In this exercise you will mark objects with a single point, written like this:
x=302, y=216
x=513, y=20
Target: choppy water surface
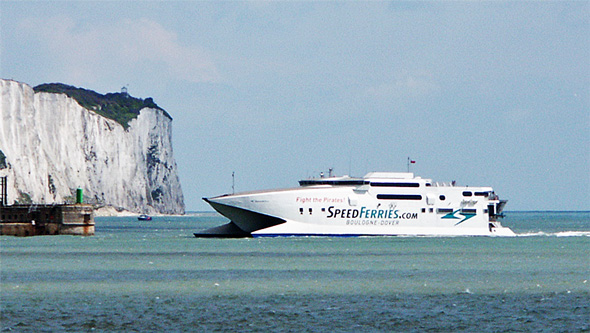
x=153, y=276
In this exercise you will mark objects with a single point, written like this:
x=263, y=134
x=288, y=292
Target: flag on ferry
x=412, y=161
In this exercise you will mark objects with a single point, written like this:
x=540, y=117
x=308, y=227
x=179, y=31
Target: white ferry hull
x=380, y=204
x=292, y=228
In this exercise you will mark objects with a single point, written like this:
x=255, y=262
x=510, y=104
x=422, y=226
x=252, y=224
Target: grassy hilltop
x=120, y=107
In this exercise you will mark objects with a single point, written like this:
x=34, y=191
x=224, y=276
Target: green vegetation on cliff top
x=120, y=107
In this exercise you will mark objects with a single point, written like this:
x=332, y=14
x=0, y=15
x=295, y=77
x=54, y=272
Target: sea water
x=155, y=276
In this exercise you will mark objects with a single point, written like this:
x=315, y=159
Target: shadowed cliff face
x=2, y=160
x=52, y=145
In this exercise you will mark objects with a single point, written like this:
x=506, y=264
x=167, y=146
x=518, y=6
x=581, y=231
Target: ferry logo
x=366, y=213
x=466, y=216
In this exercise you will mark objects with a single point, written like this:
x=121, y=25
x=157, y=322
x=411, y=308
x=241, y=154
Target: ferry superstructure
x=378, y=204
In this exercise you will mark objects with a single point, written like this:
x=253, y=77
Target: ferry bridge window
x=442, y=197
x=399, y=196
x=395, y=184
x=353, y=182
x=467, y=193
x=444, y=210
x=481, y=194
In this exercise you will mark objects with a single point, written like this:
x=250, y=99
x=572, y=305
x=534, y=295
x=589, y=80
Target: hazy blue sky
x=484, y=93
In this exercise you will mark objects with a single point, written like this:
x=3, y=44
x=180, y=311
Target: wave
x=556, y=234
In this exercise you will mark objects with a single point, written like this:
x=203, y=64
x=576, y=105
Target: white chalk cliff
x=52, y=146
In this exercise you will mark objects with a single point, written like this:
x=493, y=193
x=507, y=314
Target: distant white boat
x=144, y=217
x=378, y=204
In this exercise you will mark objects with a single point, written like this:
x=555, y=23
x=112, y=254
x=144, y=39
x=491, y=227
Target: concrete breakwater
x=35, y=220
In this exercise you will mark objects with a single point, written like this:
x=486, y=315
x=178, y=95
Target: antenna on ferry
x=330, y=170
x=233, y=182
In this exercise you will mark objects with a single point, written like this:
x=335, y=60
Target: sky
x=484, y=93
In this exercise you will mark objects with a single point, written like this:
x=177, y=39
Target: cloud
x=128, y=46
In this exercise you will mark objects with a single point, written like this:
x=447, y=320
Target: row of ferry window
x=450, y=210
x=477, y=194
x=358, y=183
x=419, y=197
x=301, y=211
x=405, y=197
x=381, y=184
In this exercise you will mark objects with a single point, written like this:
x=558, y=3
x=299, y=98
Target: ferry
x=378, y=204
